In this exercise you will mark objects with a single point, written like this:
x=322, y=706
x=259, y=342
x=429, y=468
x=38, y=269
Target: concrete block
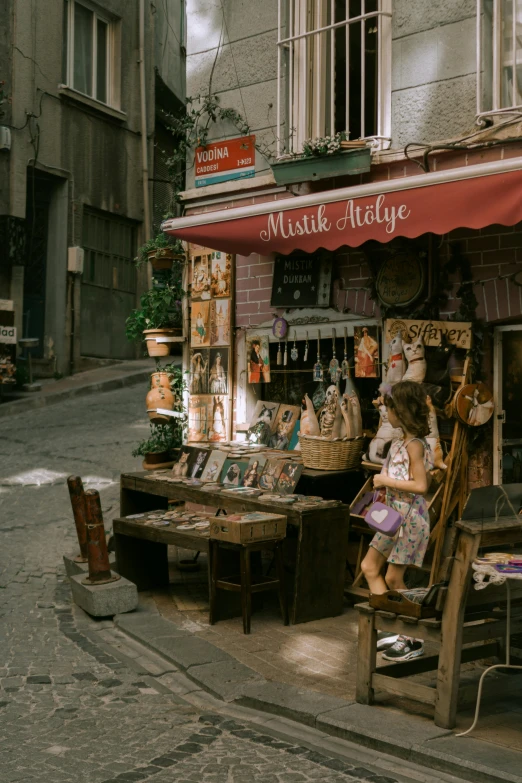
x=380, y=728
x=104, y=600
x=72, y=568
x=286, y=700
x=226, y=679
x=187, y=651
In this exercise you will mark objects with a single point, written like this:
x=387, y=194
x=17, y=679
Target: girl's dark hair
x=408, y=400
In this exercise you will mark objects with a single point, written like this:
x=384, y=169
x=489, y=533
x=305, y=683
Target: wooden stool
x=243, y=583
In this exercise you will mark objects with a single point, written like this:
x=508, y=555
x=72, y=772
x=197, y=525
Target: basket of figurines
x=323, y=454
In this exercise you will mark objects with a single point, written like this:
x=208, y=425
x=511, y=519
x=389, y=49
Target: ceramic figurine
x=347, y=412
x=350, y=394
x=380, y=444
x=433, y=439
x=328, y=415
x=309, y=420
x=396, y=365
x=414, y=353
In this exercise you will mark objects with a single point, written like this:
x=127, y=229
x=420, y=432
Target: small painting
x=200, y=326
x=221, y=274
x=254, y=471
x=270, y=475
x=289, y=477
x=366, y=342
x=233, y=472
x=198, y=418
x=263, y=422
x=199, y=368
x=201, y=276
x=218, y=418
x=220, y=322
x=198, y=462
x=181, y=467
x=475, y=404
x=213, y=466
x=285, y=422
x=258, y=358
x=218, y=371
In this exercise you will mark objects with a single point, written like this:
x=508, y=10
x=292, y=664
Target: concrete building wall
x=233, y=53
x=433, y=66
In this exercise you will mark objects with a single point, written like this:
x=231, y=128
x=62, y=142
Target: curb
x=404, y=737
x=53, y=398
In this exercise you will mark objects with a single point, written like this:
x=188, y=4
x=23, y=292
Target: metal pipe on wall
x=144, y=139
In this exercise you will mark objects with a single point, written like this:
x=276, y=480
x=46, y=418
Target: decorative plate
x=280, y=328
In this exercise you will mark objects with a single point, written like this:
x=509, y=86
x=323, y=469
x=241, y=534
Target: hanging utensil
x=345, y=367
x=334, y=362
x=279, y=354
x=305, y=357
x=318, y=367
x=285, y=361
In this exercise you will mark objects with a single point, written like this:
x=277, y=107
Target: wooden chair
x=243, y=583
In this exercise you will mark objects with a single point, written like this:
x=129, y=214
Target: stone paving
x=70, y=709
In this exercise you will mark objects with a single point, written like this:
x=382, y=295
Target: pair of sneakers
x=399, y=648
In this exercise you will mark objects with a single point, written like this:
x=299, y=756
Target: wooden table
x=317, y=537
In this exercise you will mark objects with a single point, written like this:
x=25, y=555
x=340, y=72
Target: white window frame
x=112, y=45
x=497, y=64
x=303, y=72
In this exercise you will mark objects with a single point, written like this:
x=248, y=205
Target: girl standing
x=405, y=478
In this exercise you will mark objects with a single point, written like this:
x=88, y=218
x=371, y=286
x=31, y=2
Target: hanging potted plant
x=161, y=251
x=328, y=156
x=166, y=437
x=158, y=320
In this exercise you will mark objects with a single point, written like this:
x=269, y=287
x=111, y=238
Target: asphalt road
x=81, y=703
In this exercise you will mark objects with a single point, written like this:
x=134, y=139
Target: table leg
x=143, y=562
x=366, y=656
x=448, y=673
x=283, y=603
x=213, y=576
x=246, y=588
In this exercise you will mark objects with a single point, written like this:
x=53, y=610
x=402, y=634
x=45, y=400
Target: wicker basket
x=331, y=454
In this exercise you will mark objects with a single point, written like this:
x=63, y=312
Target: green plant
x=163, y=437
x=160, y=308
x=324, y=145
x=177, y=384
x=156, y=245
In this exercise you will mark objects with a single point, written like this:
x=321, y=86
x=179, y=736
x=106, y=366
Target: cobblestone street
x=77, y=702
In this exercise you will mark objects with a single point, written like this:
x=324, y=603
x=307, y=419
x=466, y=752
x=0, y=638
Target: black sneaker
x=404, y=649
x=385, y=640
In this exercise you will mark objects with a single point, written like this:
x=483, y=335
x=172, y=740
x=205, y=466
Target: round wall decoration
x=474, y=404
x=280, y=328
x=401, y=279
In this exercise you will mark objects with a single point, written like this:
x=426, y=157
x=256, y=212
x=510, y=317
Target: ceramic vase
x=160, y=396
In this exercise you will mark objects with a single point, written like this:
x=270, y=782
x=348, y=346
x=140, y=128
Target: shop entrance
x=507, y=433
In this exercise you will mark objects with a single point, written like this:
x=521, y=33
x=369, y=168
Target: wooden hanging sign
x=456, y=332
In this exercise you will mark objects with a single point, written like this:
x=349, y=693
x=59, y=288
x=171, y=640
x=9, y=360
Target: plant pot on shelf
x=160, y=396
x=307, y=169
x=163, y=258
x=159, y=340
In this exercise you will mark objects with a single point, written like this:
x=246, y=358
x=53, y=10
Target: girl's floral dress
x=409, y=544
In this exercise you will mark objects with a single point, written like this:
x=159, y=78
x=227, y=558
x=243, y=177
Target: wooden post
x=366, y=655
x=77, y=495
x=99, y=568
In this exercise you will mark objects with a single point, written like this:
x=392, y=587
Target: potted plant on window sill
x=158, y=320
x=329, y=156
x=161, y=251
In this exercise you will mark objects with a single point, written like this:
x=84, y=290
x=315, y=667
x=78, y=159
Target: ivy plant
x=156, y=245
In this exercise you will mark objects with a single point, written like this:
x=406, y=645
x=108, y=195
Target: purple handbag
x=383, y=519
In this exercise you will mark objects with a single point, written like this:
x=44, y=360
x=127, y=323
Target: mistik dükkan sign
x=329, y=222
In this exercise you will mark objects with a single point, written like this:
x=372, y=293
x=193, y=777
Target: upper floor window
x=88, y=51
x=336, y=55
x=499, y=78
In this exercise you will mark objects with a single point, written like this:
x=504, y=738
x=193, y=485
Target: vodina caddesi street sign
x=224, y=160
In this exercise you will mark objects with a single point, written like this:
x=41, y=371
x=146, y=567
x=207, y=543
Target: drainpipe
x=144, y=140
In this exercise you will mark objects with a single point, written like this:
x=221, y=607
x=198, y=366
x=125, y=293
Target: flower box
x=306, y=169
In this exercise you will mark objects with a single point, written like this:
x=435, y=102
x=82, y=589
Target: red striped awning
x=471, y=197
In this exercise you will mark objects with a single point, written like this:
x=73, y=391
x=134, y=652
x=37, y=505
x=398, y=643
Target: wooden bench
x=468, y=617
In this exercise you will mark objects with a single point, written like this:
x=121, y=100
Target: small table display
x=316, y=543
x=496, y=569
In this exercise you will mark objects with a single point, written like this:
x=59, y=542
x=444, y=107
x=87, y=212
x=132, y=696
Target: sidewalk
x=306, y=673
x=115, y=376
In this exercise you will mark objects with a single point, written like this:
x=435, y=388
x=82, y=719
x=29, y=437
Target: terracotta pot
x=160, y=396
x=159, y=349
x=163, y=258
x=155, y=457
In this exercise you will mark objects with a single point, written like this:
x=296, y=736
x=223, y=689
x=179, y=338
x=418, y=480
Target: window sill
x=79, y=97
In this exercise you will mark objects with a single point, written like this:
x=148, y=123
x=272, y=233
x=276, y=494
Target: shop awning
x=471, y=197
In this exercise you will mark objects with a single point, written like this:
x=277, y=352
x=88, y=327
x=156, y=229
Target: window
x=336, y=56
x=88, y=37
x=499, y=35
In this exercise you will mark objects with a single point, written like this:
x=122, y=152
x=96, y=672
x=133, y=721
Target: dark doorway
x=39, y=191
